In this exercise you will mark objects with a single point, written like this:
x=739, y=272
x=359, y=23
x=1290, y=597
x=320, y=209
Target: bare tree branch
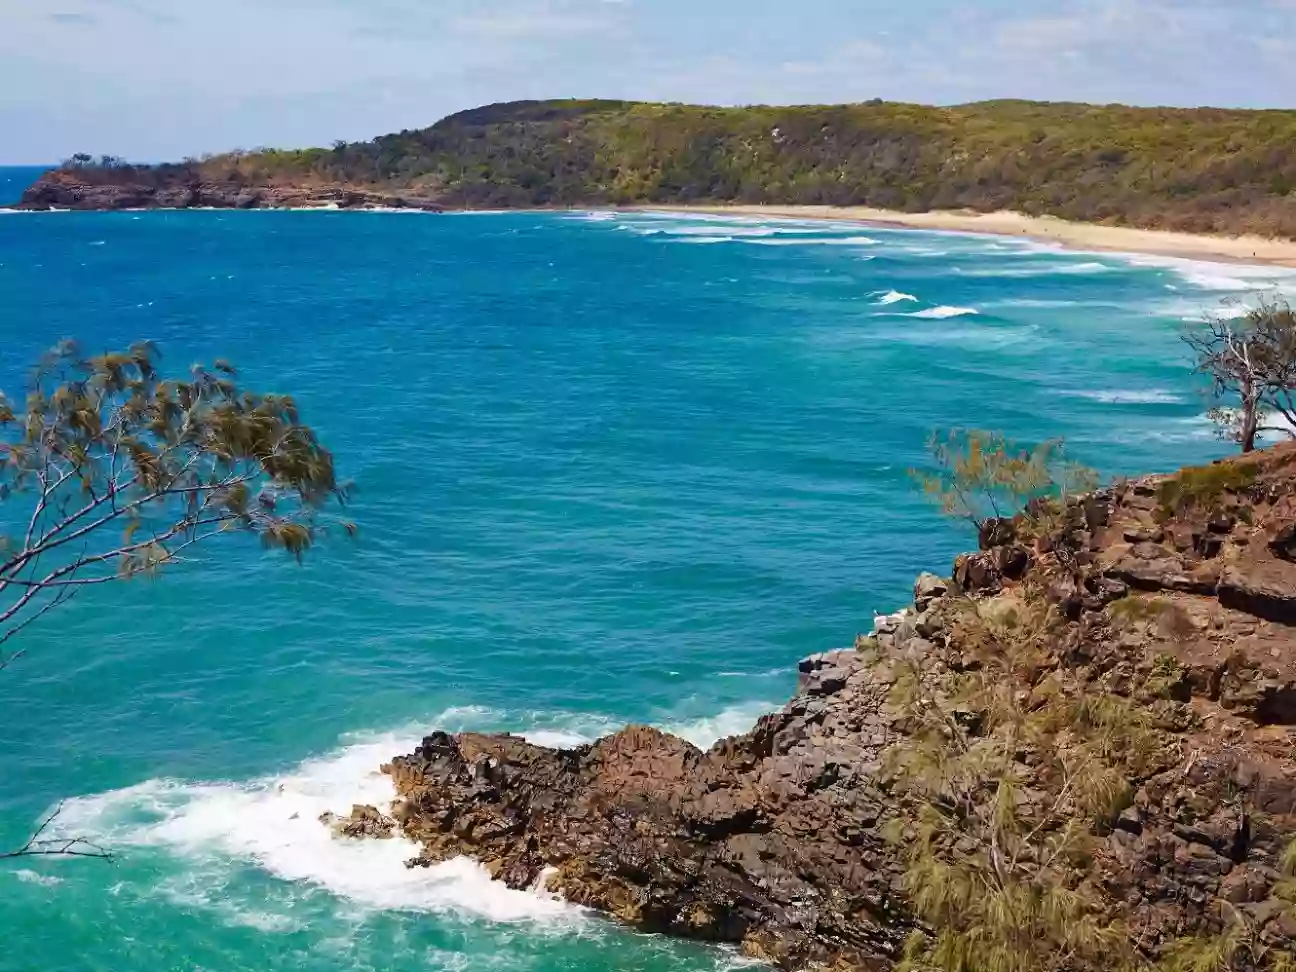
x=40, y=846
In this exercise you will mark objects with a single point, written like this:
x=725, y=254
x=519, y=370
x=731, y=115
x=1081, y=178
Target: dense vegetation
x=1192, y=169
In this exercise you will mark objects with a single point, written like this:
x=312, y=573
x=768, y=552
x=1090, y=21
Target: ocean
x=611, y=468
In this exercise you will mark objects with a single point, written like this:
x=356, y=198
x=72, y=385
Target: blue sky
x=159, y=79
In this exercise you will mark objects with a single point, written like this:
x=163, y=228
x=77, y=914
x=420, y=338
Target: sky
x=162, y=79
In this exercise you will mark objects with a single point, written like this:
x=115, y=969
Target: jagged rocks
x=927, y=588
x=977, y=573
x=826, y=674
x=63, y=189
x=363, y=822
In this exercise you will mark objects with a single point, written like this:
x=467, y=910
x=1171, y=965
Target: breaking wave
x=272, y=823
x=891, y=297
x=943, y=312
x=1119, y=396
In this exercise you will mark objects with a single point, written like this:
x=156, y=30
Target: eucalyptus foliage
x=110, y=471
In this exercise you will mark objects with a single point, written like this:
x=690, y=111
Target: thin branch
x=39, y=846
x=85, y=561
x=170, y=490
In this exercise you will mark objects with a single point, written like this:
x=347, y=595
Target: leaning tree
x=1251, y=362
x=109, y=471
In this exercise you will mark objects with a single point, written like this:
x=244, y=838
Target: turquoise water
x=610, y=469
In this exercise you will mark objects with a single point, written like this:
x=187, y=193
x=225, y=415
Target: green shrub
x=1203, y=488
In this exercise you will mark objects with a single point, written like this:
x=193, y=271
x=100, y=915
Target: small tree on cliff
x=983, y=478
x=1011, y=770
x=120, y=473
x=1251, y=363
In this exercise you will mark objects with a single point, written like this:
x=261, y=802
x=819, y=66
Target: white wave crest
x=943, y=312
x=827, y=241
x=32, y=877
x=273, y=823
x=738, y=232
x=1205, y=275
x=891, y=297
x=706, y=731
x=1122, y=396
x=1038, y=270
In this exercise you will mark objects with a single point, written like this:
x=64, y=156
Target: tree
x=121, y=473
x=983, y=478
x=1251, y=362
x=1011, y=769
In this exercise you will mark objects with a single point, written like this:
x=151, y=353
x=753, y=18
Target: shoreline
x=1253, y=250
x=1074, y=236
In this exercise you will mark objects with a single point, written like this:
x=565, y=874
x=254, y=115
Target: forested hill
x=1192, y=169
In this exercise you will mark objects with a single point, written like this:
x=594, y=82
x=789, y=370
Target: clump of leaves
x=982, y=476
x=1166, y=677
x=1013, y=769
x=126, y=472
x=1203, y=488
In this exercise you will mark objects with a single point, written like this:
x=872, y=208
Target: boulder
x=363, y=822
x=927, y=588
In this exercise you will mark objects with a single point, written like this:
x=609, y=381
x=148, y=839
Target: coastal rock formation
x=364, y=821
x=1179, y=595
x=73, y=189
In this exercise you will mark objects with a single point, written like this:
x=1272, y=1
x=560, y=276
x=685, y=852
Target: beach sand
x=1077, y=236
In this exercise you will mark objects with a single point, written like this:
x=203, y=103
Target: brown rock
x=364, y=822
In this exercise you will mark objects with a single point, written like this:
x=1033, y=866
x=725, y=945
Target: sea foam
x=1205, y=275
x=891, y=297
x=1124, y=396
x=943, y=312
x=827, y=241
x=272, y=823
x=1037, y=270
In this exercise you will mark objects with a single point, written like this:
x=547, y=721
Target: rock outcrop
x=69, y=189
x=1179, y=594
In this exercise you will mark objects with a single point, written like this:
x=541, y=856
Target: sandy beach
x=1078, y=236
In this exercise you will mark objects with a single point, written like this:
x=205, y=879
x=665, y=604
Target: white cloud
x=155, y=79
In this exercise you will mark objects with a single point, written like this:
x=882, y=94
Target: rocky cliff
x=184, y=189
x=1176, y=595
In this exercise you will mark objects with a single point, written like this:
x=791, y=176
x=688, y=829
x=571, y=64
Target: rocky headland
x=1176, y=595
x=100, y=190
